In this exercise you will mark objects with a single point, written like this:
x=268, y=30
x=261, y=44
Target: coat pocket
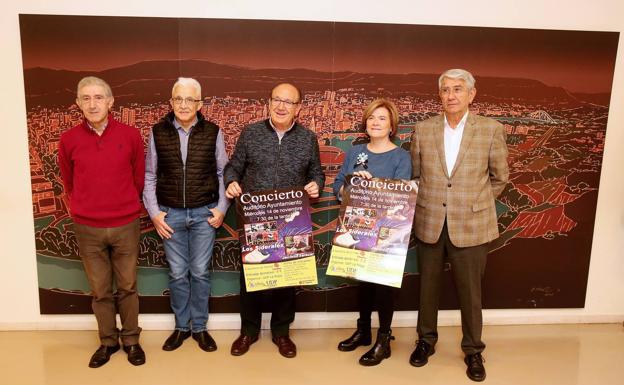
x=482, y=205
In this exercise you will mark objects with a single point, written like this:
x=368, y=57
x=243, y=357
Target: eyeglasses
x=178, y=100
x=287, y=103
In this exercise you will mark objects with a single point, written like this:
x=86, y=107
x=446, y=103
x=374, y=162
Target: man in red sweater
x=102, y=166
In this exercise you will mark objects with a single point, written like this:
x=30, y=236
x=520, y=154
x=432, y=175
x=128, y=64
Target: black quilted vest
x=196, y=184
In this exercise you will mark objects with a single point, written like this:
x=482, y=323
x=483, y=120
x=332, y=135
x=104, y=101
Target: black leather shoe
x=421, y=354
x=205, y=341
x=176, y=339
x=241, y=345
x=475, y=370
x=102, y=355
x=286, y=346
x=361, y=337
x=136, y=355
x=379, y=351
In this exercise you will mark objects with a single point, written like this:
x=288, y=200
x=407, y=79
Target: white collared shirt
x=452, y=141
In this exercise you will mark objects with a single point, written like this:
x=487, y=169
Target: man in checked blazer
x=460, y=161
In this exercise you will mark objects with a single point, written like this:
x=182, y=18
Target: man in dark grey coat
x=272, y=154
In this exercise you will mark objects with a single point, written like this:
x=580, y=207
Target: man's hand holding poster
x=277, y=246
x=373, y=231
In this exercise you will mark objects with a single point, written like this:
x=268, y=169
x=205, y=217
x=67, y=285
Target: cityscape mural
x=549, y=88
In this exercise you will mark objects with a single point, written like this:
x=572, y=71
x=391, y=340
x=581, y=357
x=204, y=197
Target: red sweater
x=103, y=175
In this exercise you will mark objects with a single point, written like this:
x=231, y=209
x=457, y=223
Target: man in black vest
x=185, y=198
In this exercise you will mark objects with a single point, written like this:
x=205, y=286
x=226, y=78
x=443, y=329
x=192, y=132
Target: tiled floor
x=532, y=354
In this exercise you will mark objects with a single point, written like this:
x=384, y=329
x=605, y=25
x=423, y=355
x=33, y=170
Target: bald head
x=286, y=87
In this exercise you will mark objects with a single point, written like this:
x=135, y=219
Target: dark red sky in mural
x=578, y=61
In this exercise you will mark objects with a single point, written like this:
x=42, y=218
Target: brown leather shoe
x=286, y=347
x=241, y=345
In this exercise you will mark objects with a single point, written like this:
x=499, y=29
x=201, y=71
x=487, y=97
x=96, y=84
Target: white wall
x=18, y=283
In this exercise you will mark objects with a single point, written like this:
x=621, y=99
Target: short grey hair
x=457, y=73
x=93, y=81
x=187, y=82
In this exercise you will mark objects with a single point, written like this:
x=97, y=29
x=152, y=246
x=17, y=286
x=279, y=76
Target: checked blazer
x=466, y=197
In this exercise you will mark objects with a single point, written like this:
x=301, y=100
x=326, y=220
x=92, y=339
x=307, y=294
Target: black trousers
x=468, y=267
x=282, y=303
x=371, y=294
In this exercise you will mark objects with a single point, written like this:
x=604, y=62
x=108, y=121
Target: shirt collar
x=461, y=123
x=289, y=128
x=177, y=124
x=93, y=128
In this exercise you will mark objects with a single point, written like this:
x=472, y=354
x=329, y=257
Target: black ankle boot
x=361, y=337
x=379, y=351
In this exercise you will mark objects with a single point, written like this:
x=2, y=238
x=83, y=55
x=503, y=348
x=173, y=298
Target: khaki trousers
x=110, y=255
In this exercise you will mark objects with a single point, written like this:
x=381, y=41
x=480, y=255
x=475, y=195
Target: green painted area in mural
x=57, y=273
x=69, y=275
x=43, y=222
x=328, y=211
x=501, y=208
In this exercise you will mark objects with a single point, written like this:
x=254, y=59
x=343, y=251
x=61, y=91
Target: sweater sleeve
x=235, y=168
x=66, y=167
x=404, y=166
x=315, y=171
x=138, y=164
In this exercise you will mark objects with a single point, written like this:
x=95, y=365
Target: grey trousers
x=468, y=267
